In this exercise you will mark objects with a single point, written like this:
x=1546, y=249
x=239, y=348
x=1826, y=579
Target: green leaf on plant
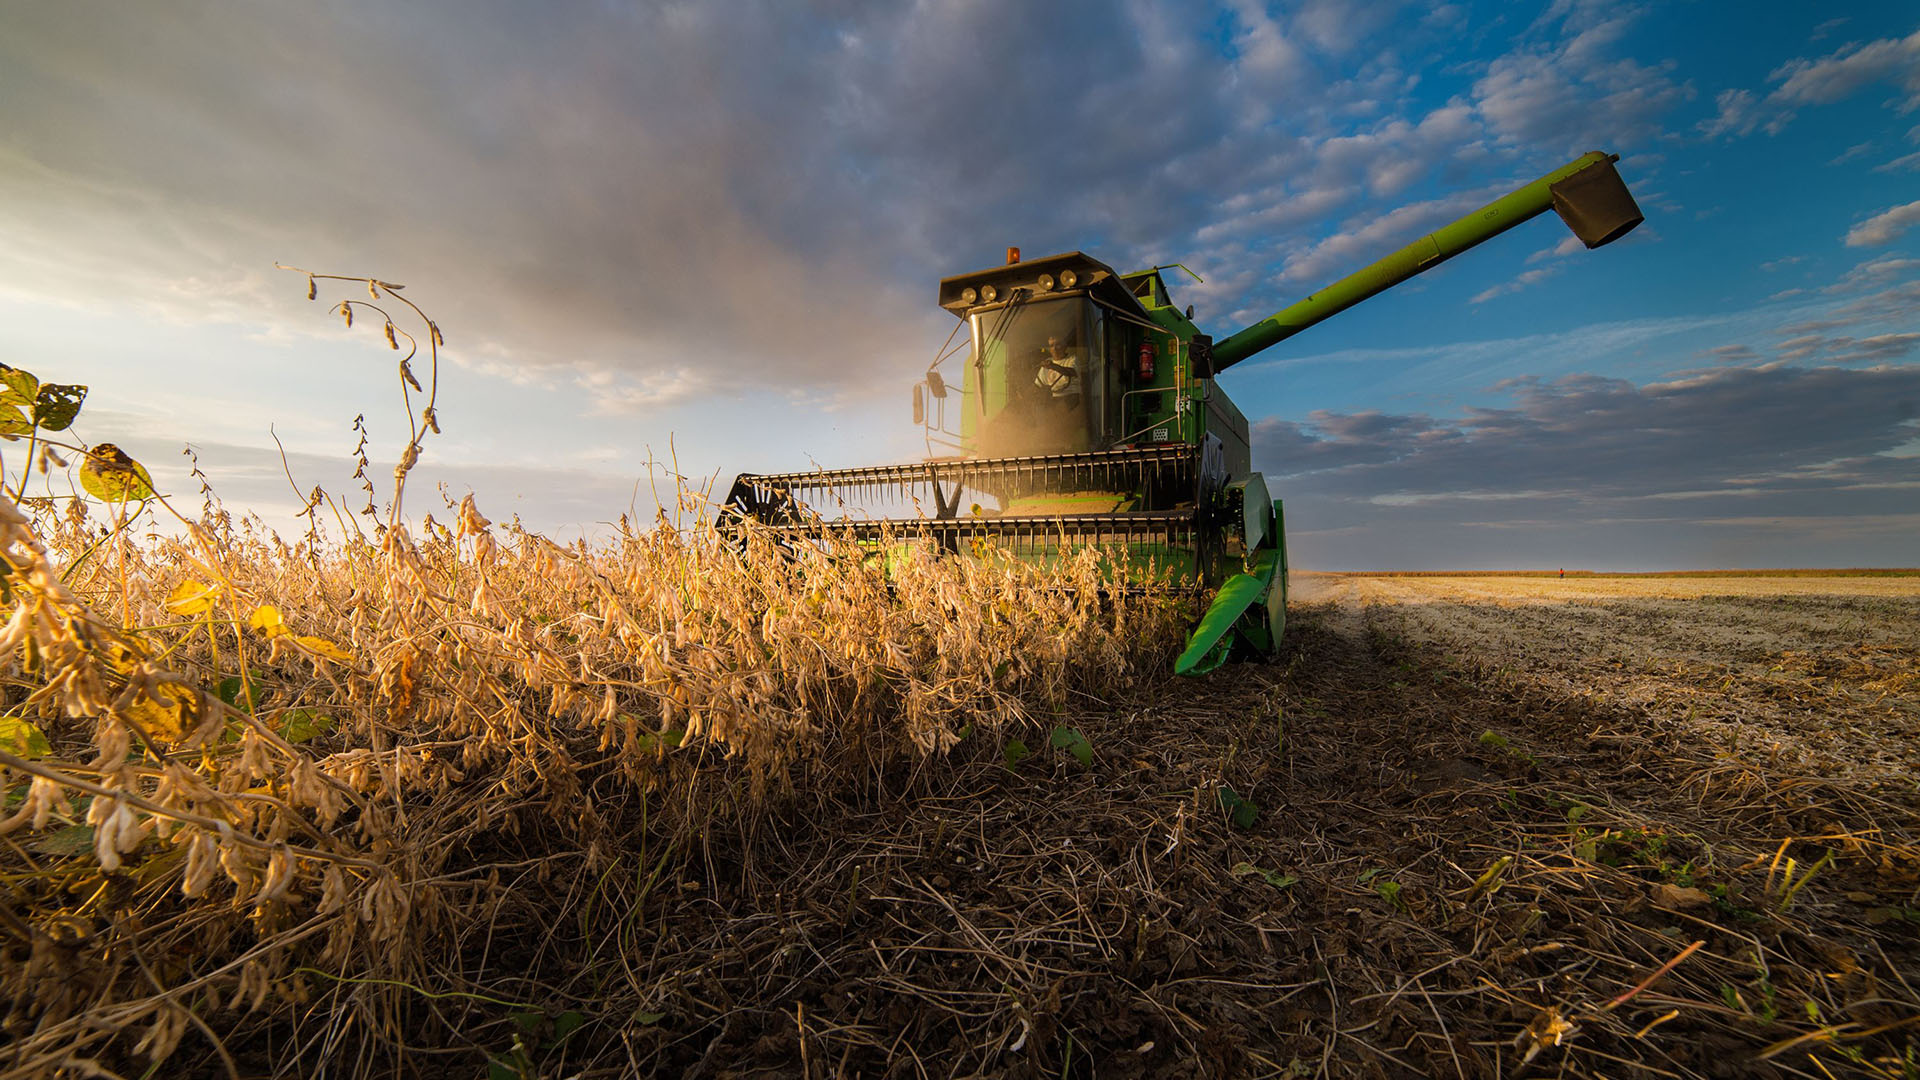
x=304, y=725
x=1244, y=812
x=110, y=475
x=646, y=1018
x=236, y=692
x=72, y=840
x=13, y=422
x=567, y=1023
x=55, y=406
x=17, y=387
x=1016, y=752
x=528, y=1022
x=1273, y=877
x=22, y=739
x=660, y=742
x=1065, y=738
x=501, y=1070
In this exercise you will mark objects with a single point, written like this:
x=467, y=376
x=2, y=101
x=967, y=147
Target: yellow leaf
x=192, y=598
x=266, y=619
x=325, y=648
x=166, y=724
x=22, y=739
x=109, y=475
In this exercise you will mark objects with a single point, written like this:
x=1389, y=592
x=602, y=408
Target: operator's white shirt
x=1052, y=378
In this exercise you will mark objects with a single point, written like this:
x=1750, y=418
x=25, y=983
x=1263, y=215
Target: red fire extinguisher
x=1146, y=361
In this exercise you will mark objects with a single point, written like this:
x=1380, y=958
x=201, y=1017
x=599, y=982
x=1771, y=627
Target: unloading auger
x=1087, y=412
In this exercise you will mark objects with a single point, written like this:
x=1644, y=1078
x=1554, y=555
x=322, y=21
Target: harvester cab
x=1084, y=409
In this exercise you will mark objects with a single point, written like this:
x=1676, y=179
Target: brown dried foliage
x=504, y=702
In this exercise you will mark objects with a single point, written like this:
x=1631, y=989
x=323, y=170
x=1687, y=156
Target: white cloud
x=1737, y=115
x=1273, y=210
x=1849, y=69
x=1571, y=94
x=1884, y=227
x=614, y=393
x=1348, y=248
x=1855, y=151
x=1825, y=81
x=1521, y=281
x=1567, y=246
x=1872, y=274
x=1268, y=59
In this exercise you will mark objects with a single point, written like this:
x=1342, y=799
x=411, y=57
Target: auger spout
x=1587, y=193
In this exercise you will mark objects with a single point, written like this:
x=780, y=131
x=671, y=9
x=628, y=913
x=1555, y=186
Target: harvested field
x=1477, y=840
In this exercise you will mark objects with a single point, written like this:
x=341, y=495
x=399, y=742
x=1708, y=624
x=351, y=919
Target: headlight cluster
x=987, y=294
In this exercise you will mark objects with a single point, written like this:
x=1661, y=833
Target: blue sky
x=711, y=231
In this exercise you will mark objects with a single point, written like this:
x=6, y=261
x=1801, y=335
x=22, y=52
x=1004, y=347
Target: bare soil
x=1479, y=819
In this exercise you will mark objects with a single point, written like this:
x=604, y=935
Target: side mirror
x=1200, y=350
x=937, y=384
x=919, y=404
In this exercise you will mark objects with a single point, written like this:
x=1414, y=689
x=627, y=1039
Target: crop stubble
x=1638, y=754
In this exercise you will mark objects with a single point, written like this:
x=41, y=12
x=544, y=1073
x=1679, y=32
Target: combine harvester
x=1088, y=414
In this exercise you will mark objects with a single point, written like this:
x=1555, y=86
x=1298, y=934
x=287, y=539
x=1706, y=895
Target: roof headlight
x=969, y=295
x=988, y=294
x=1046, y=282
x=1068, y=279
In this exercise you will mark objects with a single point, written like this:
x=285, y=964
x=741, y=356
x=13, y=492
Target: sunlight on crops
x=236, y=765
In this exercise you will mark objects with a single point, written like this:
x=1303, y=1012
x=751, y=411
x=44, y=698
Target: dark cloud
x=1892, y=306
x=1875, y=349
x=1728, y=444
x=1586, y=433
x=1888, y=306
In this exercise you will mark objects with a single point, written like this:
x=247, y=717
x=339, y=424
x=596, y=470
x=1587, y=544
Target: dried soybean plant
x=254, y=786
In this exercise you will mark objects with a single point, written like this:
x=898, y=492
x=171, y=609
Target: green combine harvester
x=1087, y=412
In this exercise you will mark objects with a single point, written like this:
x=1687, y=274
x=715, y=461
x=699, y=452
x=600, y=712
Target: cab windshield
x=1032, y=377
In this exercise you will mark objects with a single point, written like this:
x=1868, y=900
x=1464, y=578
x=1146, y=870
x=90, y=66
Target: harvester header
x=1085, y=412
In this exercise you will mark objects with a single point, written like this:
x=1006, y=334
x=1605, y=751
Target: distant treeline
x=1851, y=571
